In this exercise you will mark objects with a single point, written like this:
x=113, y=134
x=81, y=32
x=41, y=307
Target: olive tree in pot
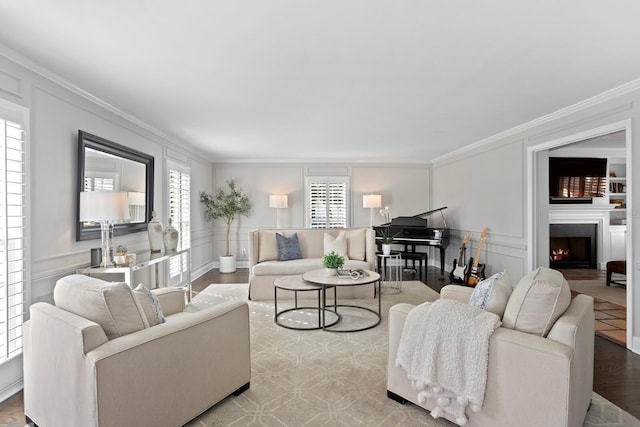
x=227, y=204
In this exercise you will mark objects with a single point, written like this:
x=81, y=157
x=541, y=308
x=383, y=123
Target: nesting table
x=328, y=314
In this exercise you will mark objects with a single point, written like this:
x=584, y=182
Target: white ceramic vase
x=386, y=249
x=170, y=236
x=331, y=271
x=155, y=234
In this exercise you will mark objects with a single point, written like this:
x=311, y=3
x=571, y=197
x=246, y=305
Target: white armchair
x=531, y=379
x=164, y=375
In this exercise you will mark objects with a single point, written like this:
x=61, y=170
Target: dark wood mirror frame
x=87, y=140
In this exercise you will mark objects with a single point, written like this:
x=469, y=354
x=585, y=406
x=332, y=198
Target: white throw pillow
x=267, y=246
x=150, y=305
x=356, y=244
x=336, y=244
x=492, y=294
x=111, y=305
x=537, y=301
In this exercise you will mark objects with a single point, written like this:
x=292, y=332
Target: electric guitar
x=476, y=273
x=457, y=274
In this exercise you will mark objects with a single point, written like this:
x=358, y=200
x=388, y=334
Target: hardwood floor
x=616, y=369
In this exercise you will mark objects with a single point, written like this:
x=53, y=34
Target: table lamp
x=371, y=201
x=278, y=201
x=105, y=208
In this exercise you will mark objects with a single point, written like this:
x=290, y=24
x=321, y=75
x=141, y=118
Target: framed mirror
x=104, y=165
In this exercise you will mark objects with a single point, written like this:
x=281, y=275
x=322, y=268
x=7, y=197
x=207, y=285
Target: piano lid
x=419, y=220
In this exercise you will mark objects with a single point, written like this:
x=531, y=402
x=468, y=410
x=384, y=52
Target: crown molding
x=608, y=95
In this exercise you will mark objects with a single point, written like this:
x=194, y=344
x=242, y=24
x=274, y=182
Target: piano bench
x=421, y=257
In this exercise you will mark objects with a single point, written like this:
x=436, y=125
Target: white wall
x=56, y=114
x=487, y=183
x=404, y=188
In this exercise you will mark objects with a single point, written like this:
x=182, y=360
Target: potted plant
x=332, y=262
x=387, y=238
x=226, y=204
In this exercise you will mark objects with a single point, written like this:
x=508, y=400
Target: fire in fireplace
x=573, y=245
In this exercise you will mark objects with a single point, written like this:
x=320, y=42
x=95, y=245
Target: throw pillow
x=288, y=247
x=111, y=305
x=492, y=294
x=356, y=244
x=336, y=244
x=537, y=301
x=150, y=305
x=267, y=246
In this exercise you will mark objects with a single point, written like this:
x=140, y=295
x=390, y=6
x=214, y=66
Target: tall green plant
x=226, y=204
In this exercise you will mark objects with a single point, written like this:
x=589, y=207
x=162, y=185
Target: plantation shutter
x=12, y=238
x=327, y=203
x=180, y=215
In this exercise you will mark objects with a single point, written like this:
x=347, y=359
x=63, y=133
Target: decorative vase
x=155, y=234
x=331, y=271
x=227, y=263
x=170, y=236
x=386, y=249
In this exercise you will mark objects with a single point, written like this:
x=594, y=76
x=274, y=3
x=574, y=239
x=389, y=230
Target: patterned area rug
x=316, y=378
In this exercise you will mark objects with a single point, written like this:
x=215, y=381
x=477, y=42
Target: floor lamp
x=371, y=201
x=105, y=208
x=278, y=201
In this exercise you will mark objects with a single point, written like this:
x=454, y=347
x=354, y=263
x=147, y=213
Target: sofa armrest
x=456, y=292
x=254, y=248
x=172, y=299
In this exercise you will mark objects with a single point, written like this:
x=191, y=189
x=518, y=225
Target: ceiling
x=331, y=80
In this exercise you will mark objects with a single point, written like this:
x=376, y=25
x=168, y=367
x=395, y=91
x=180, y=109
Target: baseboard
x=11, y=389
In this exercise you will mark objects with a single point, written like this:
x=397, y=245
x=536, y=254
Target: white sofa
x=78, y=372
x=264, y=266
x=532, y=380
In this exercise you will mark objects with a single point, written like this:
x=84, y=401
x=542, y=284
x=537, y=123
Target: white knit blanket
x=444, y=348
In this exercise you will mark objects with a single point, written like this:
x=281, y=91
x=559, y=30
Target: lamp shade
x=98, y=206
x=372, y=201
x=278, y=201
x=135, y=198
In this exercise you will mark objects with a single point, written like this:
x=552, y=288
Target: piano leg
x=442, y=251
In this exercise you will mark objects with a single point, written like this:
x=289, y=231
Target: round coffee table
x=320, y=277
x=298, y=315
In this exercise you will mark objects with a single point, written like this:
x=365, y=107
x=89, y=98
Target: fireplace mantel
x=587, y=214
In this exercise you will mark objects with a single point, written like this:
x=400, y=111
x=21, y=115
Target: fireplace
x=573, y=245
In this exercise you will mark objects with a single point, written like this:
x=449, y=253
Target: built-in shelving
x=617, y=190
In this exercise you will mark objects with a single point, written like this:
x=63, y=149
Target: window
x=12, y=238
x=180, y=215
x=98, y=184
x=326, y=202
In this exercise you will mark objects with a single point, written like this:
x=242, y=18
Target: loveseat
x=540, y=365
x=123, y=369
x=314, y=243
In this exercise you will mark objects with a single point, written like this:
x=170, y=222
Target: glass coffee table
x=324, y=281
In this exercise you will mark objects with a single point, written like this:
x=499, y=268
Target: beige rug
x=316, y=378
x=597, y=289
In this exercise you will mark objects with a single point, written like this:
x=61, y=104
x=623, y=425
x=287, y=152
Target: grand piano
x=414, y=231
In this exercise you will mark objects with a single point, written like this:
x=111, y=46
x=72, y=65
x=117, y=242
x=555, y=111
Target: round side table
x=390, y=267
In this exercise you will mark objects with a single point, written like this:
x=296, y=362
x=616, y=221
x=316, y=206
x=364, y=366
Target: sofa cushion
x=356, y=244
x=298, y=266
x=149, y=303
x=537, y=301
x=288, y=247
x=336, y=244
x=492, y=294
x=111, y=305
x=267, y=246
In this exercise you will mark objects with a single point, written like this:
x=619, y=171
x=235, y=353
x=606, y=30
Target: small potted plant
x=226, y=204
x=332, y=262
x=387, y=238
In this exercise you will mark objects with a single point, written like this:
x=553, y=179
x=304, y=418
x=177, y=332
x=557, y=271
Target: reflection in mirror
x=106, y=166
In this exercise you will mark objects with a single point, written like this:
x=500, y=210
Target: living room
x=488, y=179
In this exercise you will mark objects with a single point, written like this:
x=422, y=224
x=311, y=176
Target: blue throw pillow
x=288, y=247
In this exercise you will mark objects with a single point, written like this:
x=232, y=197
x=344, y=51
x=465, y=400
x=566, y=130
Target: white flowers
x=386, y=214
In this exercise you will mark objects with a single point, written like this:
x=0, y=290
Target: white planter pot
x=386, y=249
x=331, y=271
x=227, y=264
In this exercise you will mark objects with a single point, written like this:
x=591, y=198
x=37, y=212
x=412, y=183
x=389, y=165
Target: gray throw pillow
x=288, y=247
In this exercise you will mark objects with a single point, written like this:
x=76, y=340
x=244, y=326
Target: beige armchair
x=78, y=372
x=531, y=379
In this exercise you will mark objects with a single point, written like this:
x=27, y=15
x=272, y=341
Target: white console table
x=145, y=260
